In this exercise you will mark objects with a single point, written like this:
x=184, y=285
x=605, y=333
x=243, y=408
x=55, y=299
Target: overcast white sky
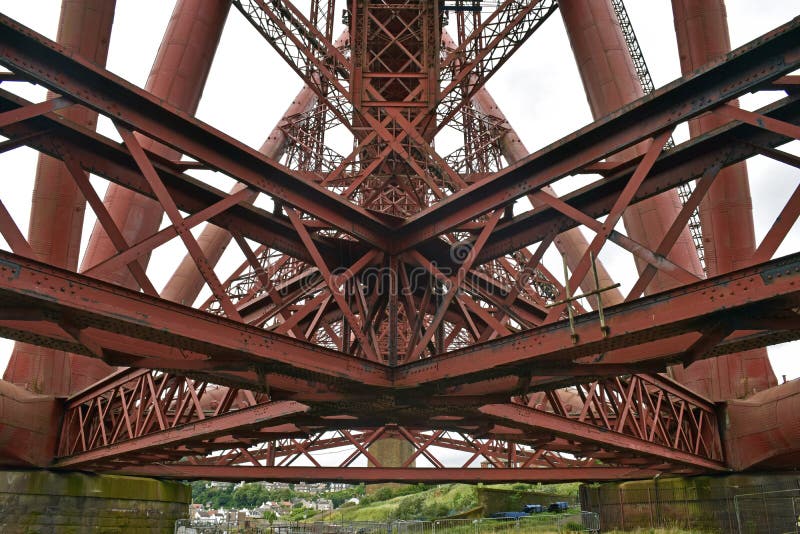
x=539, y=90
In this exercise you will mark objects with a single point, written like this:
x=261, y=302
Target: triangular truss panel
x=394, y=292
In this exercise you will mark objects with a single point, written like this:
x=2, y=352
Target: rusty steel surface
x=57, y=213
x=726, y=211
x=395, y=292
x=152, y=414
x=357, y=475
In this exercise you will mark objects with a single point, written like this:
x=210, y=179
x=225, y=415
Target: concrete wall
x=390, y=452
x=46, y=501
x=703, y=503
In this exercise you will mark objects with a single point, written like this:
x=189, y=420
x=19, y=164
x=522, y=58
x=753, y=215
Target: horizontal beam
x=152, y=333
x=650, y=323
x=753, y=65
x=721, y=147
x=141, y=331
x=58, y=137
x=281, y=387
x=253, y=418
x=539, y=421
x=386, y=474
x=23, y=51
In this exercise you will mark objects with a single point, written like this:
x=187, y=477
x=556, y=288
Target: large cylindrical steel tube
x=610, y=81
x=726, y=212
x=178, y=76
x=186, y=283
x=763, y=431
x=57, y=210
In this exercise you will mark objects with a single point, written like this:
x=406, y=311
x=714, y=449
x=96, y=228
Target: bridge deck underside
x=322, y=350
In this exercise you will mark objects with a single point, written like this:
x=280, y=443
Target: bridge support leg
x=390, y=452
x=726, y=213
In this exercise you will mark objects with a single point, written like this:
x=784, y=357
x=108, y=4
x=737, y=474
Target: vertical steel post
x=610, y=81
x=178, y=76
x=57, y=210
x=726, y=213
x=186, y=282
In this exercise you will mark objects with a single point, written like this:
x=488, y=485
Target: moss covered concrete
x=390, y=452
x=49, y=501
x=704, y=503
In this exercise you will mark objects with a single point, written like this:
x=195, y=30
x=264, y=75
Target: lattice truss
x=138, y=417
x=392, y=292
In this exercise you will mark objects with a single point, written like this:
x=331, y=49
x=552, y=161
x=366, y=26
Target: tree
x=410, y=508
x=270, y=516
x=301, y=513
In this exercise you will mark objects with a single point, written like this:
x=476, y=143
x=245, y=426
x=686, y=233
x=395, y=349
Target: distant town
x=219, y=502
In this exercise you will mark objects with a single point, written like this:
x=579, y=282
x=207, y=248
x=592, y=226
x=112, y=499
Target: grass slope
x=446, y=499
x=438, y=502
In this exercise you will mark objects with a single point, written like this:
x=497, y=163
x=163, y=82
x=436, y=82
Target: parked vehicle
x=533, y=508
x=558, y=506
x=508, y=515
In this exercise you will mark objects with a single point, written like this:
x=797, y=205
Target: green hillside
x=444, y=500
x=431, y=503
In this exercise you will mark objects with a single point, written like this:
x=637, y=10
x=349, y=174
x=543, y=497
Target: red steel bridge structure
x=395, y=292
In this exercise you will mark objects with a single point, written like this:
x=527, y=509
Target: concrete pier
x=759, y=502
x=67, y=502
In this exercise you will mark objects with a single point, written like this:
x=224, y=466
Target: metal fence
x=544, y=523
x=262, y=526
x=536, y=523
x=659, y=507
x=768, y=512
x=701, y=504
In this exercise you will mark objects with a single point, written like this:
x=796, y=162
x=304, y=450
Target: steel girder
x=709, y=87
x=85, y=318
x=370, y=475
x=634, y=420
x=108, y=159
x=26, y=53
x=717, y=149
x=294, y=390
x=48, y=306
x=668, y=324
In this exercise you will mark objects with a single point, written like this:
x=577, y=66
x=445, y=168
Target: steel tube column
x=186, y=283
x=57, y=210
x=610, y=81
x=29, y=426
x=726, y=213
x=571, y=243
x=763, y=431
x=178, y=76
